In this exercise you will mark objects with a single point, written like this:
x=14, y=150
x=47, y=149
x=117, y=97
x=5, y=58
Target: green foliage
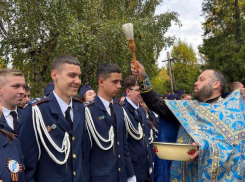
x=185, y=67
x=160, y=83
x=224, y=37
x=33, y=32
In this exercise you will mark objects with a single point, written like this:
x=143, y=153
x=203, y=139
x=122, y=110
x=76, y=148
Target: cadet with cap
x=86, y=93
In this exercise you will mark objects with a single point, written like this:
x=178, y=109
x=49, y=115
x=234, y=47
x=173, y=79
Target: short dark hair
x=63, y=59
x=27, y=88
x=234, y=86
x=129, y=82
x=218, y=76
x=106, y=69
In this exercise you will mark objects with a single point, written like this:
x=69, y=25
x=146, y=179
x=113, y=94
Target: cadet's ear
x=127, y=91
x=54, y=75
x=101, y=82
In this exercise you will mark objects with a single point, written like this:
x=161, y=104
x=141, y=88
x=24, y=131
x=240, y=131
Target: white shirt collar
x=132, y=104
x=6, y=111
x=106, y=104
x=62, y=104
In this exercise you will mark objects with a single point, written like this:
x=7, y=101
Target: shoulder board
x=39, y=100
x=87, y=104
x=120, y=103
x=78, y=100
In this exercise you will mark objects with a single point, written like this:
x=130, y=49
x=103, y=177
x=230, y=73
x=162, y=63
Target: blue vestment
x=219, y=130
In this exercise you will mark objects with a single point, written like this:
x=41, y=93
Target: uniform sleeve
x=127, y=157
x=151, y=99
x=28, y=143
x=155, y=104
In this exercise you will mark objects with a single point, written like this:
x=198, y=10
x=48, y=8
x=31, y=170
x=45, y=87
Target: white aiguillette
x=174, y=151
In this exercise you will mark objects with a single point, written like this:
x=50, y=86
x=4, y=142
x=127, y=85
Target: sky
x=190, y=12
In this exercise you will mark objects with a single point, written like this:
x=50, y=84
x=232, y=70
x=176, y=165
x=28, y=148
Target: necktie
x=68, y=117
x=137, y=112
x=112, y=112
x=15, y=121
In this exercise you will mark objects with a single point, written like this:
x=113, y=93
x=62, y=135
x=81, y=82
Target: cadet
x=12, y=89
x=52, y=142
x=138, y=137
x=109, y=156
x=26, y=97
x=11, y=164
x=86, y=93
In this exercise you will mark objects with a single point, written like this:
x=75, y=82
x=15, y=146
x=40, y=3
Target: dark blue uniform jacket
x=113, y=165
x=6, y=126
x=140, y=150
x=45, y=169
x=9, y=150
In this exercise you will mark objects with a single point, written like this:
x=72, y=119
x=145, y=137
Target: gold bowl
x=174, y=151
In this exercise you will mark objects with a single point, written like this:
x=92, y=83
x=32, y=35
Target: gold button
x=74, y=173
x=144, y=135
x=73, y=138
x=119, y=169
x=117, y=143
x=148, y=156
x=119, y=156
x=146, y=145
x=74, y=156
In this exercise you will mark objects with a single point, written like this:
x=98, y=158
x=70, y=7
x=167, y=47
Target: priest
x=216, y=125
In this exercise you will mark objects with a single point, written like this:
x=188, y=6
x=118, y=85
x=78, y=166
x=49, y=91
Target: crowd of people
x=98, y=137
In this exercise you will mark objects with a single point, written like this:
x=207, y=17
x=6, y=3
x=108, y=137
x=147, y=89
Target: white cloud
x=190, y=12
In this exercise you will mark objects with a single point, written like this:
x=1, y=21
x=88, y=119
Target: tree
x=160, y=83
x=32, y=33
x=224, y=37
x=185, y=67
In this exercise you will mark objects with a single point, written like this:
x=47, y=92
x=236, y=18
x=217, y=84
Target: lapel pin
x=101, y=117
x=14, y=167
x=53, y=126
x=48, y=128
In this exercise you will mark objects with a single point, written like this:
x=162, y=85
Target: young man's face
x=12, y=92
x=26, y=98
x=67, y=80
x=112, y=84
x=133, y=94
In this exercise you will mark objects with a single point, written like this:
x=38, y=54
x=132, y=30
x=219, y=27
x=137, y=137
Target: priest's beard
x=204, y=93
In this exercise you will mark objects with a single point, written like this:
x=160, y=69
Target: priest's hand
x=140, y=72
x=194, y=156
